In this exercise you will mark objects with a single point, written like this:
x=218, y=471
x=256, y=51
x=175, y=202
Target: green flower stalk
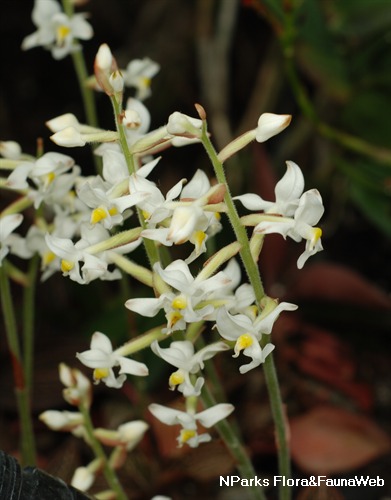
x=246, y=254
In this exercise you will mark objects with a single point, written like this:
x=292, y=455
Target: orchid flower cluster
x=78, y=392
x=88, y=227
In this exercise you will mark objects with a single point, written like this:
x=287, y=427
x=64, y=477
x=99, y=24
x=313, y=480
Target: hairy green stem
x=27, y=442
x=28, y=322
x=109, y=473
x=149, y=245
x=87, y=94
x=233, y=443
x=256, y=282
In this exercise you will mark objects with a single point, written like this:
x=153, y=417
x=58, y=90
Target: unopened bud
x=183, y=125
x=63, y=121
x=117, y=81
x=201, y=111
x=68, y=137
x=270, y=124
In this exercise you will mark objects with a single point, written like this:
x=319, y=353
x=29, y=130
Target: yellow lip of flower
x=253, y=311
x=47, y=258
x=243, y=342
x=217, y=215
x=199, y=237
x=100, y=373
x=62, y=33
x=316, y=235
x=179, y=302
x=176, y=378
x=98, y=214
x=113, y=211
x=173, y=318
x=50, y=178
x=187, y=434
x=67, y=265
x=145, y=82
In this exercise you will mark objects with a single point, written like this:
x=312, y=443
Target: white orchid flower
x=155, y=206
x=190, y=221
x=181, y=355
x=102, y=358
x=127, y=436
x=56, y=31
x=138, y=74
x=293, y=213
x=95, y=264
x=64, y=421
x=248, y=332
x=183, y=306
x=48, y=173
x=287, y=192
x=207, y=418
x=307, y=214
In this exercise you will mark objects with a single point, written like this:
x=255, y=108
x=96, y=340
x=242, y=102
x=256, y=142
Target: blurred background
x=328, y=64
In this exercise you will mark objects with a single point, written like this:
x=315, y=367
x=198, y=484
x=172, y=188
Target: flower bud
x=105, y=65
x=180, y=124
x=10, y=150
x=63, y=121
x=270, y=124
x=68, y=137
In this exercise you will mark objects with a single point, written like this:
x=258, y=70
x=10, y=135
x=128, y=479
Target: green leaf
x=375, y=206
x=318, y=51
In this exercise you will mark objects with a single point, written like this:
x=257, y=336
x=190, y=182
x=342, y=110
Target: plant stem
x=149, y=245
x=109, y=473
x=87, y=94
x=239, y=229
x=256, y=282
x=82, y=76
x=231, y=440
x=28, y=322
x=27, y=443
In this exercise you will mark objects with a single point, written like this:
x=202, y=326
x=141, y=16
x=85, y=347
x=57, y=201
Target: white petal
x=177, y=275
x=310, y=208
x=132, y=367
x=254, y=202
x=81, y=28
x=94, y=358
x=268, y=227
x=8, y=223
x=231, y=327
x=166, y=415
x=212, y=415
x=178, y=354
x=258, y=354
x=265, y=324
x=291, y=186
x=197, y=187
x=146, y=307
x=102, y=342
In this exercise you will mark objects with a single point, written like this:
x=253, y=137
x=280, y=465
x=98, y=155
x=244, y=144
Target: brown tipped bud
x=201, y=111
